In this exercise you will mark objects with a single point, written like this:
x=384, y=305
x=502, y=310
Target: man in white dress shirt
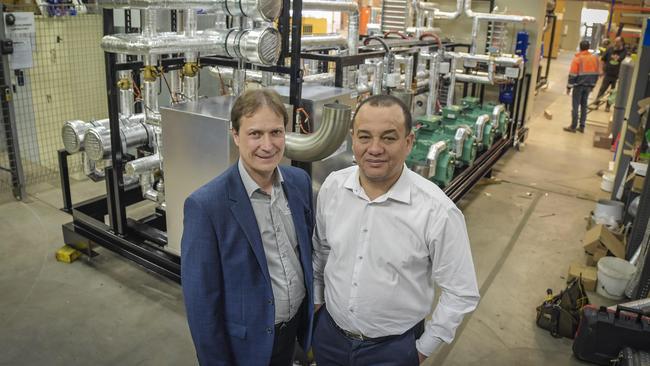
x=384, y=235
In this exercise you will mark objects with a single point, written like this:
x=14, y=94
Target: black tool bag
x=603, y=333
x=631, y=357
x=561, y=314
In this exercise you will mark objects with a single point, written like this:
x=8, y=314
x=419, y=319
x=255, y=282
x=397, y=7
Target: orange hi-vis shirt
x=584, y=71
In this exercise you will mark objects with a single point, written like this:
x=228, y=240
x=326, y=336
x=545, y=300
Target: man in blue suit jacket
x=246, y=264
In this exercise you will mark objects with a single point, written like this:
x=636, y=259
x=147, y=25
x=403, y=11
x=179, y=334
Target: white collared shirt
x=376, y=262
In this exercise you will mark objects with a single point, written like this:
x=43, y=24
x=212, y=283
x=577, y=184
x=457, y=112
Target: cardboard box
x=600, y=235
x=593, y=258
x=589, y=275
x=637, y=183
x=602, y=140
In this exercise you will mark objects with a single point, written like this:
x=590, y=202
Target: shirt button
x=364, y=230
x=360, y=257
x=270, y=301
x=269, y=330
x=351, y=310
x=355, y=284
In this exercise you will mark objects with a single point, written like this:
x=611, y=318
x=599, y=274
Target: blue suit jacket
x=225, y=278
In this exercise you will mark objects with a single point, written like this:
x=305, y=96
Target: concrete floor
x=524, y=231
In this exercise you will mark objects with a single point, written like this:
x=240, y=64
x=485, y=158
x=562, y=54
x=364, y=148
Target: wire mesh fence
x=66, y=81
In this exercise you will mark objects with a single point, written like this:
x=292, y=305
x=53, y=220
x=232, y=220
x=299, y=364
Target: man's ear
x=235, y=136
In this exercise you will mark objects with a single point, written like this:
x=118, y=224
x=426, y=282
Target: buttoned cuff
x=427, y=345
x=319, y=294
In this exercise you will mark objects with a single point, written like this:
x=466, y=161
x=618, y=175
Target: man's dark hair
x=584, y=45
x=383, y=100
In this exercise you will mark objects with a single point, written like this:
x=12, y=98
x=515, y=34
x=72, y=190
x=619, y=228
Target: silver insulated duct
x=335, y=124
x=73, y=133
x=258, y=46
x=132, y=134
x=260, y=10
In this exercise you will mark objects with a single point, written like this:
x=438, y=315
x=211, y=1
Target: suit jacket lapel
x=243, y=212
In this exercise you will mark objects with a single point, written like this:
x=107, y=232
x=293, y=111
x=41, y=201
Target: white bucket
x=613, y=276
x=609, y=211
x=607, y=184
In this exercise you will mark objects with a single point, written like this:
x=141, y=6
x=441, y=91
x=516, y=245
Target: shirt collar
x=400, y=191
x=250, y=185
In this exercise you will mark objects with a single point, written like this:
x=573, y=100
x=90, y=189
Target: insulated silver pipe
x=378, y=80
x=478, y=17
x=452, y=81
x=259, y=46
x=73, y=133
x=438, y=14
x=189, y=31
x=190, y=87
x=125, y=94
x=143, y=165
x=331, y=5
x=398, y=61
x=226, y=73
x=259, y=10
x=190, y=79
x=334, y=126
x=98, y=139
x=362, y=76
x=479, y=126
x=496, y=17
x=150, y=91
x=462, y=133
x=421, y=9
x=238, y=81
x=434, y=153
x=126, y=102
x=477, y=79
x=503, y=60
x=175, y=84
x=350, y=7
x=326, y=40
x=434, y=67
x=496, y=114
x=353, y=32
x=149, y=20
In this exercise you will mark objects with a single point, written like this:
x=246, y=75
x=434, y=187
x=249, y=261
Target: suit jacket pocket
x=236, y=330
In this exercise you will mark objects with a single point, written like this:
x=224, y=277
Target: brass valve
x=124, y=84
x=190, y=69
x=150, y=73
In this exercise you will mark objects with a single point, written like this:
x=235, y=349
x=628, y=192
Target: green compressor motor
x=432, y=156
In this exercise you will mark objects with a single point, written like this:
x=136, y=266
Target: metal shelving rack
x=15, y=168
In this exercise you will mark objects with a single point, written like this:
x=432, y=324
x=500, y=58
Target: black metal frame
x=8, y=120
x=543, y=80
x=141, y=240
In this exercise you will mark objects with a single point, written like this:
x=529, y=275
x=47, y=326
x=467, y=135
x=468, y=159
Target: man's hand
x=421, y=357
x=317, y=307
x=568, y=91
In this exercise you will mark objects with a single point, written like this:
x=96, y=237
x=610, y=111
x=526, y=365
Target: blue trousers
x=332, y=348
x=580, y=98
